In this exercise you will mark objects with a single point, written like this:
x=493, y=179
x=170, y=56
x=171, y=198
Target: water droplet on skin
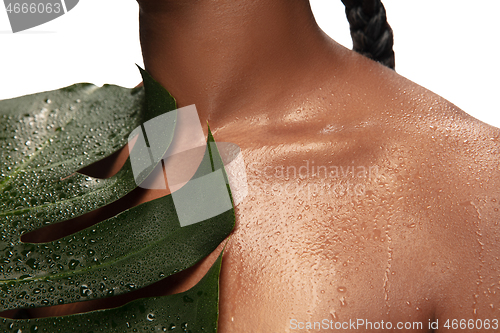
x=334, y=314
x=150, y=316
x=341, y=289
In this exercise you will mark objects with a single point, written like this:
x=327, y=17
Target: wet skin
x=415, y=239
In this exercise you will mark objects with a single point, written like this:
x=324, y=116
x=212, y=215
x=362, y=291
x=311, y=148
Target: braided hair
x=371, y=34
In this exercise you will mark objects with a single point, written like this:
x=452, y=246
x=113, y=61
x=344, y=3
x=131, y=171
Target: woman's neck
x=223, y=55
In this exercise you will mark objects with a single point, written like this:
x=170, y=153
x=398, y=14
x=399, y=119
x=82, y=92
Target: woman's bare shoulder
x=444, y=169
x=377, y=179
x=403, y=116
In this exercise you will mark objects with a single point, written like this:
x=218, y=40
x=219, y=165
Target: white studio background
x=447, y=46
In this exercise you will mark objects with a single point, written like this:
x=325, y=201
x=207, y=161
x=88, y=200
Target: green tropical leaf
x=45, y=139
x=190, y=311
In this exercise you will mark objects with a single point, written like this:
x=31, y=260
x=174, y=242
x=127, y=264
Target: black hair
x=371, y=34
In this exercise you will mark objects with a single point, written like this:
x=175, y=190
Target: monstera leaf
x=45, y=139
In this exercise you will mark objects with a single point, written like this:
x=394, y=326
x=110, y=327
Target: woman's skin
x=413, y=238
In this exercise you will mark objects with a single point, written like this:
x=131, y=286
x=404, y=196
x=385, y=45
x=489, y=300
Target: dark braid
x=371, y=34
